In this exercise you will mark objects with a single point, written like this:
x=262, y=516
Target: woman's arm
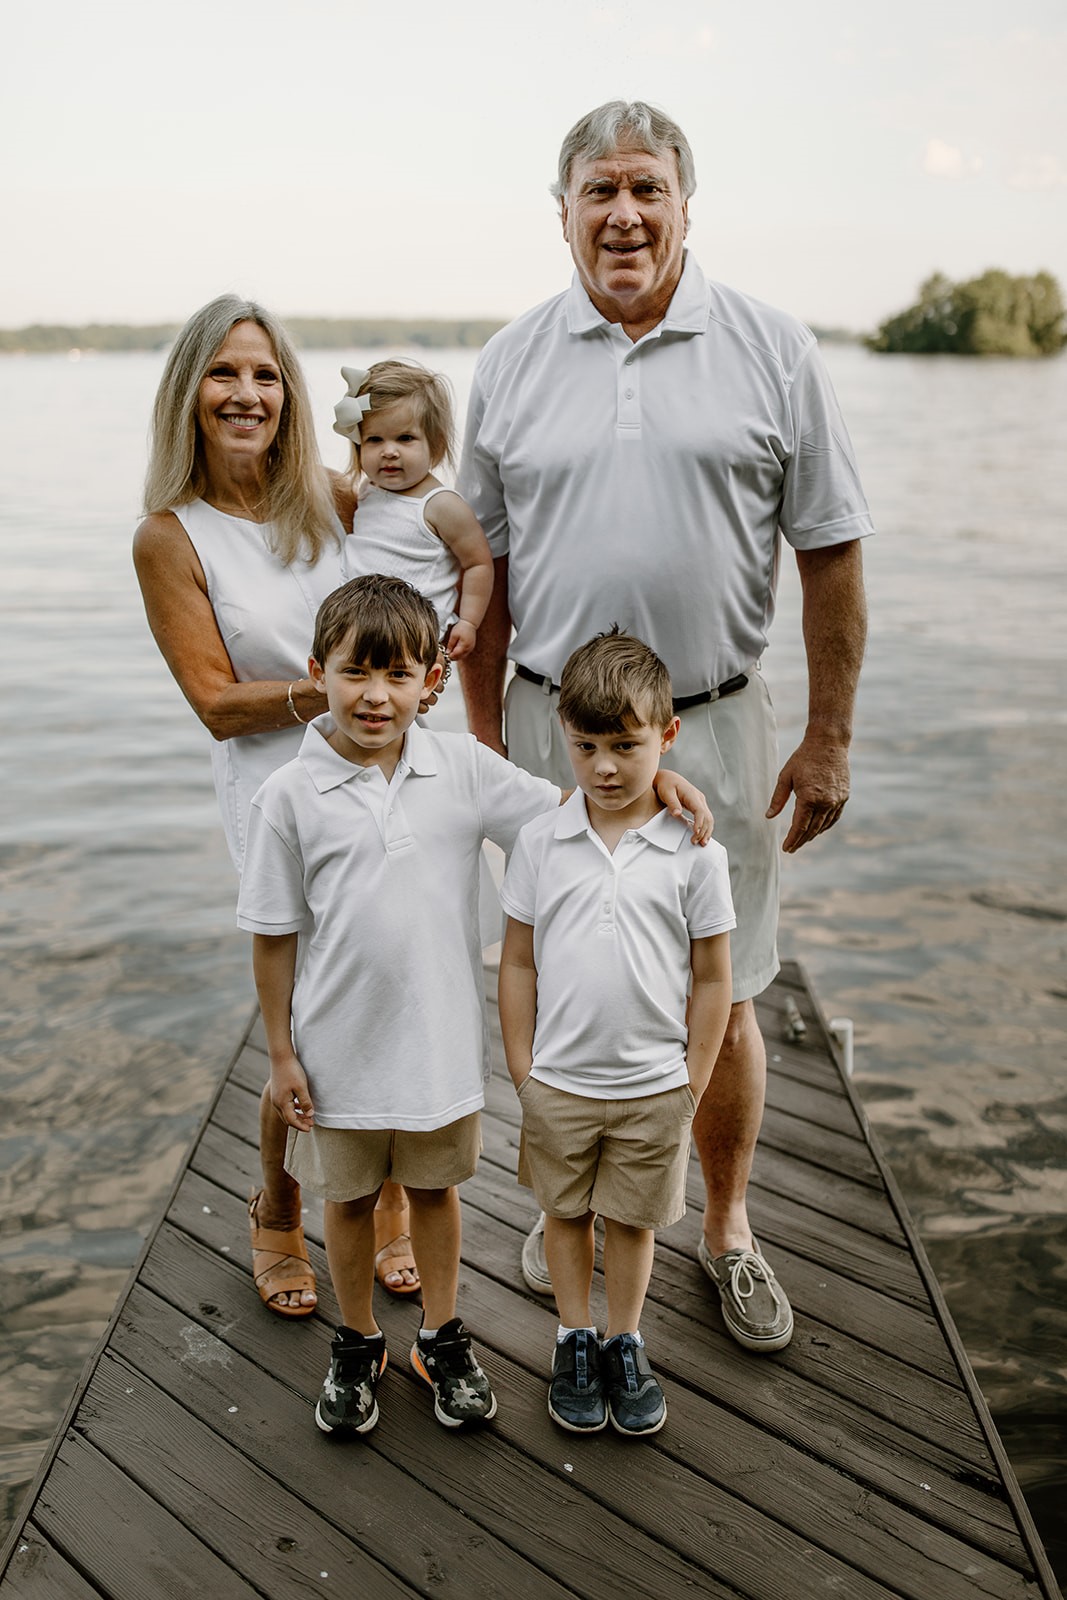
x=183, y=625
x=455, y=524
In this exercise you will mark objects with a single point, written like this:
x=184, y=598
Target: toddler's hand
x=461, y=640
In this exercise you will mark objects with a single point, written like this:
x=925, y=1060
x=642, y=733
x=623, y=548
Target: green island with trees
x=992, y=315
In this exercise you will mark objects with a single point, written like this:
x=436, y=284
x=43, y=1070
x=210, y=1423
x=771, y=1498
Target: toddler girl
x=398, y=418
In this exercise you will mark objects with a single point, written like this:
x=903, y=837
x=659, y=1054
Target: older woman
x=240, y=544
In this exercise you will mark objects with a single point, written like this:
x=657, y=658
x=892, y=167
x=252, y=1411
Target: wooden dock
x=859, y=1463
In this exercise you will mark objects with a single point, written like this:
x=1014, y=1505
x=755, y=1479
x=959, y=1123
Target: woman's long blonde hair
x=299, y=505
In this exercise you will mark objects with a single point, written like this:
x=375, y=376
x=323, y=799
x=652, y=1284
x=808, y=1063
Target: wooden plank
x=37, y=1571
x=919, y=1474
x=124, y=1542
x=268, y=1419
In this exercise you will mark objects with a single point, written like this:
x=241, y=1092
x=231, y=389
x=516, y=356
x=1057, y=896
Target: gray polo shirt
x=646, y=483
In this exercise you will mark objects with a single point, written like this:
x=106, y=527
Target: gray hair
x=300, y=501
x=623, y=122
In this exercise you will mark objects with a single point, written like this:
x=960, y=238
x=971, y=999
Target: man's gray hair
x=624, y=122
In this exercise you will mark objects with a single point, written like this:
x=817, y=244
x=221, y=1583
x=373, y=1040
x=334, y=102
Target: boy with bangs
x=609, y=922
x=367, y=845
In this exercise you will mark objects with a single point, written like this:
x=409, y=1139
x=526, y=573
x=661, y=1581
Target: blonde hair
x=430, y=395
x=299, y=501
x=612, y=683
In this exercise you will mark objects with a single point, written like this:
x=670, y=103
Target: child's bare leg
x=348, y=1228
x=569, y=1252
x=436, y=1235
x=628, y=1255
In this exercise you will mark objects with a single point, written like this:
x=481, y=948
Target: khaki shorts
x=728, y=748
x=348, y=1163
x=624, y=1159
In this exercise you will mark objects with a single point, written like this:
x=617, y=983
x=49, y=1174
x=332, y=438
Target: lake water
x=935, y=915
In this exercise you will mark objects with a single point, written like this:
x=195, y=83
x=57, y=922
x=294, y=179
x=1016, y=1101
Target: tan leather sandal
x=280, y=1263
x=394, y=1252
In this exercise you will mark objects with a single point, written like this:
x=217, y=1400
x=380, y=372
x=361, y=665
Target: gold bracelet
x=292, y=708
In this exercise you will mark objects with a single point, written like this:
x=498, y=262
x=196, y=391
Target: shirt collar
x=662, y=830
x=687, y=312
x=327, y=770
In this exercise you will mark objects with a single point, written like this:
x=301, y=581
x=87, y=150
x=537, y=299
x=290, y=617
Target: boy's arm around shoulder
x=274, y=969
x=709, y=1007
x=518, y=998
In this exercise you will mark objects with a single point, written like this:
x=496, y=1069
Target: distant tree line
x=994, y=315
x=311, y=333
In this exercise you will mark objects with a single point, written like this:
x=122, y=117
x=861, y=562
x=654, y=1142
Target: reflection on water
x=935, y=916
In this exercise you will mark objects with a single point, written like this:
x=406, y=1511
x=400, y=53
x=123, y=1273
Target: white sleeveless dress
x=266, y=615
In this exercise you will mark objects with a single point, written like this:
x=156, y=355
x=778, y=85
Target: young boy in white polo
x=367, y=846
x=609, y=921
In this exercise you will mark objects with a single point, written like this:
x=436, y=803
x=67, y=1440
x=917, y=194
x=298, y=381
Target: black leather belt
x=682, y=703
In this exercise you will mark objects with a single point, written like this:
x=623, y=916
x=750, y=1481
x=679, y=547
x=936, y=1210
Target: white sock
x=564, y=1333
x=428, y=1333
x=636, y=1336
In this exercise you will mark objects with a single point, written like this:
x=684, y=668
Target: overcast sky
x=393, y=158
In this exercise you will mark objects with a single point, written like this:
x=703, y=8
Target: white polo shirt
x=611, y=944
x=382, y=879
x=646, y=483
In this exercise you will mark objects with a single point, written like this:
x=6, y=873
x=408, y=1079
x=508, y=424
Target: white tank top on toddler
x=390, y=534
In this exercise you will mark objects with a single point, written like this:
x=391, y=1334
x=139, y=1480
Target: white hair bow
x=351, y=410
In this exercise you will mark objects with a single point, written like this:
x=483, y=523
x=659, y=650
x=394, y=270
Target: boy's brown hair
x=380, y=621
x=614, y=682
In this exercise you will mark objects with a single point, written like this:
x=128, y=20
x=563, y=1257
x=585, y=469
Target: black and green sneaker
x=347, y=1403
x=461, y=1391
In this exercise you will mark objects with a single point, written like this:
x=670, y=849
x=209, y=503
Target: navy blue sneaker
x=347, y=1403
x=461, y=1390
x=636, y=1403
x=576, y=1393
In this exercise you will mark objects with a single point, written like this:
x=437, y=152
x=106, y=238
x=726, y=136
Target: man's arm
x=835, y=633
x=517, y=991
x=482, y=672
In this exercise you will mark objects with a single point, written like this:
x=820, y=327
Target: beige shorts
x=623, y=1159
x=728, y=748
x=348, y=1163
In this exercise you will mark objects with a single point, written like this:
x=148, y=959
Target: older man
x=634, y=448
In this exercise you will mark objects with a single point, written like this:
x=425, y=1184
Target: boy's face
x=373, y=707
x=615, y=771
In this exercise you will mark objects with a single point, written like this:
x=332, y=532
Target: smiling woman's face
x=241, y=395
x=625, y=220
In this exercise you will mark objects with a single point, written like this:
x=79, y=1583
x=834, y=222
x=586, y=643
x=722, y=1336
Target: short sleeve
x=271, y=900
x=709, y=906
x=509, y=797
x=479, y=480
x=822, y=499
x=518, y=892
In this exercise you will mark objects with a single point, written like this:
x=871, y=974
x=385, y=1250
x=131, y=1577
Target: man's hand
x=817, y=773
